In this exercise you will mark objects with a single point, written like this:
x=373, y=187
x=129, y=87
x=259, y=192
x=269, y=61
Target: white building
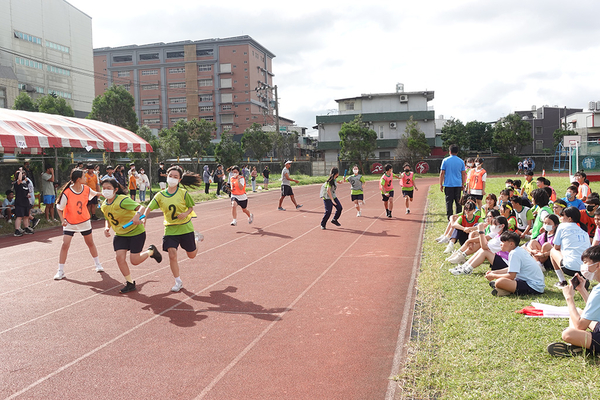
x=48, y=44
x=585, y=123
x=386, y=113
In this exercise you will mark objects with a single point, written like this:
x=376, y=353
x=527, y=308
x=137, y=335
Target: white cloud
x=483, y=59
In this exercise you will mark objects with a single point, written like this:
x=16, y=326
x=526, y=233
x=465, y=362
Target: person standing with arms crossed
x=286, y=188
x=265, y=175
x=162, y=176
x=452, y=180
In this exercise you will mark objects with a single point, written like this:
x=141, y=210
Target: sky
x=483, y=59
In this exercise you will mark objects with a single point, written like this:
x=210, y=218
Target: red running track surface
x=277, y=309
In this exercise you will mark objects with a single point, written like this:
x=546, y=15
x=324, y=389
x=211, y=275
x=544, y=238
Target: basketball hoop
x=572, y=143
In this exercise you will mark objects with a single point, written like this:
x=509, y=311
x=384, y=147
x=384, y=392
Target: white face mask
x=548, y=228
x=469, y=164
x=108, y=193
x=172, y=181
x=478, y=164
x=234, y=174
x=495, y=229
x=355, y=171
x=585, y=271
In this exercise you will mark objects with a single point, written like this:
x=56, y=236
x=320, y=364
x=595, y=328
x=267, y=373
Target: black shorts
x=286, y=190
x=566, y=270
x=386, y=198
x=22, y=211
x=132, y=192
x=408, y=193
x=477, y=196
x=499, y=263
x=523, y=288
x=355, y=197
x=241, y=203
x=71, y=233
x=94, y=200
x=135, y=244
x=187, y=242
x=595, y=346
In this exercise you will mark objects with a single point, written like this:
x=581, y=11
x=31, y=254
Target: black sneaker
x=18, y=232
x=129, y=287
x=335, y=222
x=35, y=222
x=94, y=218
x=28, y=231
x=155, y=253
x=389, y=214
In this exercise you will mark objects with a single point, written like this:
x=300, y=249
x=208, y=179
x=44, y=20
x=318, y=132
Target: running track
x=274, y=310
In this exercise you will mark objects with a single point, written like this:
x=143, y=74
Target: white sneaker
x=458, y=257
x=449, y=248
x=233, y=223
x=439, y=238
x=198, y=237
x=358, y=214
x=444, y=240
x=99, y=268
x=177, y=287
x=251, y=218
x=465, y=269
x=408, y=210
x=59, y=275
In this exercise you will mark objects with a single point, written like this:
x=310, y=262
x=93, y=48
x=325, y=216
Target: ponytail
x=76, y=173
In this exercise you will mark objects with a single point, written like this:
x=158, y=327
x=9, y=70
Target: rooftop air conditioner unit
x=29, y=88
x=403, y=98
x=393, y=125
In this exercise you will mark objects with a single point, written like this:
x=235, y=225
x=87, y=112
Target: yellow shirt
x=119, y=212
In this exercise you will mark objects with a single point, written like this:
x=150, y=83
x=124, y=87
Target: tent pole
x=55, y=159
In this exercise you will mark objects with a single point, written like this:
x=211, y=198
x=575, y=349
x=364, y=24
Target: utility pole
x=276, y=110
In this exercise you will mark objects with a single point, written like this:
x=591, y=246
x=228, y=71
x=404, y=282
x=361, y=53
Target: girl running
x=407, y=181
x=178, y=208
x=386, y=185
x=238, y=195
x=356, y=189
x=119, y=209
x=75, y=217
x=330, y=199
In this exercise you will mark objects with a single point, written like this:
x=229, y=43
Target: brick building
x=212, y=79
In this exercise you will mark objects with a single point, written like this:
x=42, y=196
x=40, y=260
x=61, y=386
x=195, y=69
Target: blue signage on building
x=588, y=163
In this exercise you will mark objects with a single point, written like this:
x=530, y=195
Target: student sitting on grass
x=587, y=216
x=596, y=240
x=467, y=222
x=570, y=241
x=540, y=200
x=523, y=277
x=577, y=335
x=473, y=243
x=448, y=237
x=540, y=247
x=490, y=250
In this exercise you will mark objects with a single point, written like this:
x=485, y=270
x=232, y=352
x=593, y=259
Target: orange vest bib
x=235, y=187
x=475, y=180
x=76, y=210
x=407, y=179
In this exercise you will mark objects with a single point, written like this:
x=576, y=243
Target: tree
x=413, y=146
x=559, y=134
x=228, y=152
x=455, y=132
x=115, y=106
x=479, y=136
x=357, y=141
x=511, y=133
x=256, y=141
x=24, y=102
x=145, y=133
x=193, y=137
x=52, y=104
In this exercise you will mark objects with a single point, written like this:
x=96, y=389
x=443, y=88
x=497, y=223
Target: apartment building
x=48, y=45
x=544, y=121
x=227, y=81
x=386, y=114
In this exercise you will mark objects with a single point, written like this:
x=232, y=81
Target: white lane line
x=246, y=350
x=406, y=315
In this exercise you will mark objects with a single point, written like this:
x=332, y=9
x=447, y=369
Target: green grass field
x=466, y=343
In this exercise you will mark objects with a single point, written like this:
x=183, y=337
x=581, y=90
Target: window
x=28, y=63
x=226, y=82
x=350, y=105
x=227, y=119
x=56, y=46
x=205, y=82
x=225, y=68
x=205, y=97
x=205, y=108
x=538, y=130
x=126, y=86
x=64, y=95
x=150, y=87
x=208, y=118
x=204, y=53
x=226, y=107
x=176, y=120
x=122, y=74
x=227, y=128
x=149, y=72
x=226, y=98
x=178, y=70
x=177, y=85
x=146, y=57
x=3, y=101
x=380, y=132
x=539, y=145
x=204, y=67
x=118, y=59
x=178, y=110
x=151, y=112
x=175, y=100
x=384, y=154
x=152, y=121
x=175, y=54
x=39, y=90
x=27, y=37
x=58, y=70
x=150, y=102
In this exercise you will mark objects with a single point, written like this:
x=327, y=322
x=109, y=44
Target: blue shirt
x=591, y=312
x=527, y=269
x=572, y=241
x=575, y=203
x=453, y=167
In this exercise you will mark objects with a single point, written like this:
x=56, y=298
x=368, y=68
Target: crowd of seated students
x=527, y=231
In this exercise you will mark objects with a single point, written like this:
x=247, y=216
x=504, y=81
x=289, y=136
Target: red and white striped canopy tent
x=30, y=132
